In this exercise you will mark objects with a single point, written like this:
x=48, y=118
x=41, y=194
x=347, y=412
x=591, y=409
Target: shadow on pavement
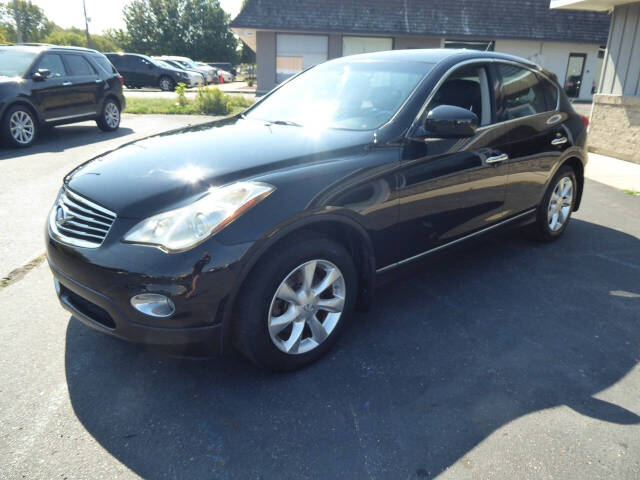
x=59, y=139
x=454, y=349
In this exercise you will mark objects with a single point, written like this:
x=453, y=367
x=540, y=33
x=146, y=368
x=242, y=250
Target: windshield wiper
x=285, y=122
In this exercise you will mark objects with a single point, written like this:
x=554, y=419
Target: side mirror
x=448, y=121
x=41, y=75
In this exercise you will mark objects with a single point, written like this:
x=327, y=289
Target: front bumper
x=96, y=285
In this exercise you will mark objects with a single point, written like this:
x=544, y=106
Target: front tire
x=296, y=303
x=166, y=84
x=19, y=127
x=109, y=119
x=554, y=212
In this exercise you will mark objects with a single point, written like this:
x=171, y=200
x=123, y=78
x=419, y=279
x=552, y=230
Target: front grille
x=78, y=221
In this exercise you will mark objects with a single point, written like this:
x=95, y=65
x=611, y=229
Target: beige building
x=290, y=35
x=615, y=117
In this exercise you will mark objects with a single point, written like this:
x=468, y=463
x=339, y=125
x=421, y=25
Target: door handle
x=498, y=158
x=66, y=84
x=559, y=141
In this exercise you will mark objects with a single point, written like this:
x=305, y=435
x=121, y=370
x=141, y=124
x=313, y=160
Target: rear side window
x=522, y=93
x=104, y=64
x=116, y=60
x=78, y=65
x=53, y=63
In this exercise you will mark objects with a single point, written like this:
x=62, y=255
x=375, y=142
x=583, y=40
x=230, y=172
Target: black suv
x=143, y=71
x=49, y=85
x=353, y=168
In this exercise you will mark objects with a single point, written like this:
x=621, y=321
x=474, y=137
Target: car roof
x=40, y=47
x=122, y=54
x=431, y=55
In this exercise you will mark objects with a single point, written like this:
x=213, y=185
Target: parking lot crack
x=20, y=272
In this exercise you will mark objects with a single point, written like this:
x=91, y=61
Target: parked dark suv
x=265, y=230
x=48, y=85
x=143, y=71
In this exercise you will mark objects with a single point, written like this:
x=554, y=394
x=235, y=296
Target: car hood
x=168, y=170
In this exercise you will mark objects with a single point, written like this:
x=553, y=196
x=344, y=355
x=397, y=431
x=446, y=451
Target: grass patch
x=159, y=105
x=633, y=192
x=208, y=101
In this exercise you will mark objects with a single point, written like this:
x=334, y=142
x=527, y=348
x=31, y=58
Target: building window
x=297, y=52
x=356, y=45
x=483, y=45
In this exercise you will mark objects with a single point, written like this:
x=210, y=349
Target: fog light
x=56, y=284
x=153, y=304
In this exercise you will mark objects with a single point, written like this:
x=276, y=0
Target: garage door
x=297, y=52
x=355, y=45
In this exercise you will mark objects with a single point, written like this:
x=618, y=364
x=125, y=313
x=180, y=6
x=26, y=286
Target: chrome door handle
x=498, y=158
x=559, y=141
x=66, y=84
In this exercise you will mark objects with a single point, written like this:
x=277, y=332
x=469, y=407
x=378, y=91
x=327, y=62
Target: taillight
x=121, y=79
x=585, y=120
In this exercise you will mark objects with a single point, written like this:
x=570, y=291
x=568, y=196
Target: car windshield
x=14, y=63
x=360, y=95
x=162, y=63
x=188, y=62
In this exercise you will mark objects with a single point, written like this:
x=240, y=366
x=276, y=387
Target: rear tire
x=297, y=270
x=554, y=211
x=19, y=127
x=109, y=119
x=166, y=84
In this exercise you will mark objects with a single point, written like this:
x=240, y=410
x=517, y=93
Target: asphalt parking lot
x=504, y=359
x=30, y=178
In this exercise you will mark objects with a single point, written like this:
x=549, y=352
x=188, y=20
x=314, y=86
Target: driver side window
x=53, y=63
x=468, y=88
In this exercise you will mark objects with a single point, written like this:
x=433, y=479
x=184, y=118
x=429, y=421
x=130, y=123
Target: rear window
x=78, y=65
x=104, y=64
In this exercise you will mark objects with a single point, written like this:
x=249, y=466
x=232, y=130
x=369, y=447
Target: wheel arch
x=344, y=230
x=578, y=167
x=113, y=96
x=20, y=101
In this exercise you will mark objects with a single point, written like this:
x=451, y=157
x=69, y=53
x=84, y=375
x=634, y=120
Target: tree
x=76, y=37
x=191, y=28
x=33, y=22
x=65, y=37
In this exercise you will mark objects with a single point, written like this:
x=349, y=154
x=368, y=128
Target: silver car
x=196, y=78
x=189, y=64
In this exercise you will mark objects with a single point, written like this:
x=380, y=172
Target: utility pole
x=17, y=17
x=86, y=21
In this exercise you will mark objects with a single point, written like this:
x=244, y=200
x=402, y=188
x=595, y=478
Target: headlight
x=184, y=228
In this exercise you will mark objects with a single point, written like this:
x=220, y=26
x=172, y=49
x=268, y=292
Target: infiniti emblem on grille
x=63, y=215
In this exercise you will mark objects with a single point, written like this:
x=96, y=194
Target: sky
x=104, y=14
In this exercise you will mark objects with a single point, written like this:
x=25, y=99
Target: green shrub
x=250, y=82
x=181, y=88
x=212, y=101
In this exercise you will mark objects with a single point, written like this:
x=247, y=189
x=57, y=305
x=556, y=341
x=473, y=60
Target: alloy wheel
x=560, y=204
x=306, y=307
x=165, y=84
x=22, y=127
x=112, y=115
